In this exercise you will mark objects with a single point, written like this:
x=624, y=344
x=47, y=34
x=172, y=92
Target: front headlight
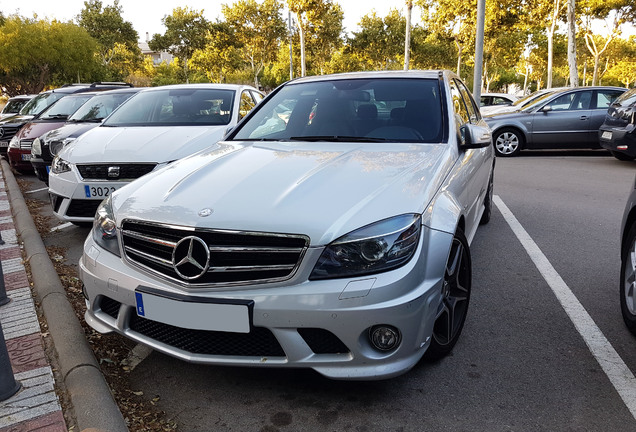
x=14, y=143
x=60, y=166
x=375, y=248
x=56, y=146
x=36, y=147
x=105, y=227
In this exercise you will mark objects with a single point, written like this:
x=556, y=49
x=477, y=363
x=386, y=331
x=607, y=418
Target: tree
x=259, y=29
x=453, y=18
x=313, y=17
x=323, y=37
x=407, y=36
x=186, y=31
x=572, y=60
x=221, y=54
x=380, y=40
x=108, y=28
x=25, y=67
x=618, y=12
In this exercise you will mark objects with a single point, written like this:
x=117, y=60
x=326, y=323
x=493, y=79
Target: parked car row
x=152, y=129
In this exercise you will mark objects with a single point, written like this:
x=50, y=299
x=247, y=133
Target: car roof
x=434, y=74
x=96, y=86
x=20, y=97
x=200, y=86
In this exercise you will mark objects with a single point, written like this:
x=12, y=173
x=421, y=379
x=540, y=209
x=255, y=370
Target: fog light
x=384, y=337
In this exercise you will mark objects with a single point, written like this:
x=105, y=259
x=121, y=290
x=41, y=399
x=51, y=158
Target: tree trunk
x=301, y=34
x=550, y=36
x=597, y=58
x=407, y=38
x=459, y=57
x=574, y=74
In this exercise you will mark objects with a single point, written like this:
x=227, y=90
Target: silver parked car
x=329, y=230
x=628, y=263
x=566, y=119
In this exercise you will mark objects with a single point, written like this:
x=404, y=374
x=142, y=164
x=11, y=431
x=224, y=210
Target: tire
x=622, y=156
x=628, y=280
x=453, y=308
x=485, y=217
x=508, y=142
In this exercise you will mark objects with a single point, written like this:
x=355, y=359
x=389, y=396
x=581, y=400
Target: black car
x=617, y=133
x=87, y=117
x=628, y=263
x=11, y=125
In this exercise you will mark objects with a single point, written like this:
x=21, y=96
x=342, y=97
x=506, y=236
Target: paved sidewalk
x=36, y=406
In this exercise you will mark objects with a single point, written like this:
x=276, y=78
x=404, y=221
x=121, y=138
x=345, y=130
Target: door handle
x=584, y=117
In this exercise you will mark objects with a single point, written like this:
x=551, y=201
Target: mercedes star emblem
x=205, y=212
x=191, y=258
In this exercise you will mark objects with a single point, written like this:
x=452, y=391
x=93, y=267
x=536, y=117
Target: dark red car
x=19, y=152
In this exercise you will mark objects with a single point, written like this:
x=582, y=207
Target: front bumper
x=322, y=325
x=622, y=139
x=20, y=159
x=74, y=200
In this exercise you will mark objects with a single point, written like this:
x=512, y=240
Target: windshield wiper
x=55, y=117
x=337, y=138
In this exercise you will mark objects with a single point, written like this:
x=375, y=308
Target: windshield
x=99, y=107
x=39, y=103
x=64, y=107
x=175, y=107
x=367, y=110
x=537, y=101
x=626, y=99
x=14, y=106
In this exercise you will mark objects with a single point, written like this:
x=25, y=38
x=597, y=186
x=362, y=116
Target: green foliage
x=380, y=42
x=186, y=32
x=25, y=67
x=259, y=29
x=221, y=55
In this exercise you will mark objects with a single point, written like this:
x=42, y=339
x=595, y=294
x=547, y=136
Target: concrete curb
x=90, y=395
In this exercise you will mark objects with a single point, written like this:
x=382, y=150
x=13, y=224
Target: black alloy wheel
x=628, y=280
x=453, y=308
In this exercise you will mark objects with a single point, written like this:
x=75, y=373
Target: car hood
x=323, y=190
x=72, y=130
x=33, y=130
x=16, y=120
x=141, y=144
x=506, y=116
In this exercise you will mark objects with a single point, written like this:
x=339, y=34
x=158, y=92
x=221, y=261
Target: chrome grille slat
x=250, y=268
x=253, y=249
x=148, y=256
x=150, y=239
x=233, y=257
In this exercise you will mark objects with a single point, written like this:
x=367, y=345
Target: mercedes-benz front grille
x=114, y=171
x=201, y=257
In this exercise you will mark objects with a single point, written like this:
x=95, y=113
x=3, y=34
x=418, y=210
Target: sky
x=146, y=15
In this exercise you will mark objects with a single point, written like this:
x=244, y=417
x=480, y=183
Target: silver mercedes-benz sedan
x=329, y=230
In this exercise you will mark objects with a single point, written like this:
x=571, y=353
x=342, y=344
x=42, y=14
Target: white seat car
x=150, y=130
x=329, y=230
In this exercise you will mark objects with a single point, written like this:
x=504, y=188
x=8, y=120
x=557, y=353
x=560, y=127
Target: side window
x=461, y=113
x=563, y=103
x=470, y=105
x=257, y=96
x=247, y=103
x=604, y=98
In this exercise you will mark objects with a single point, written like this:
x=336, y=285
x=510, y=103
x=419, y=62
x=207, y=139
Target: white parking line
x=616, y=370
x=61, y=227
x=38, y=190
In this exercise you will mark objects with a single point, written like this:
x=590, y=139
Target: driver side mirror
x=546, y=108
x=475, y=136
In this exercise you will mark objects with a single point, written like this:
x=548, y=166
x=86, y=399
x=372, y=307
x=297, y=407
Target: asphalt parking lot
x=544, y=347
